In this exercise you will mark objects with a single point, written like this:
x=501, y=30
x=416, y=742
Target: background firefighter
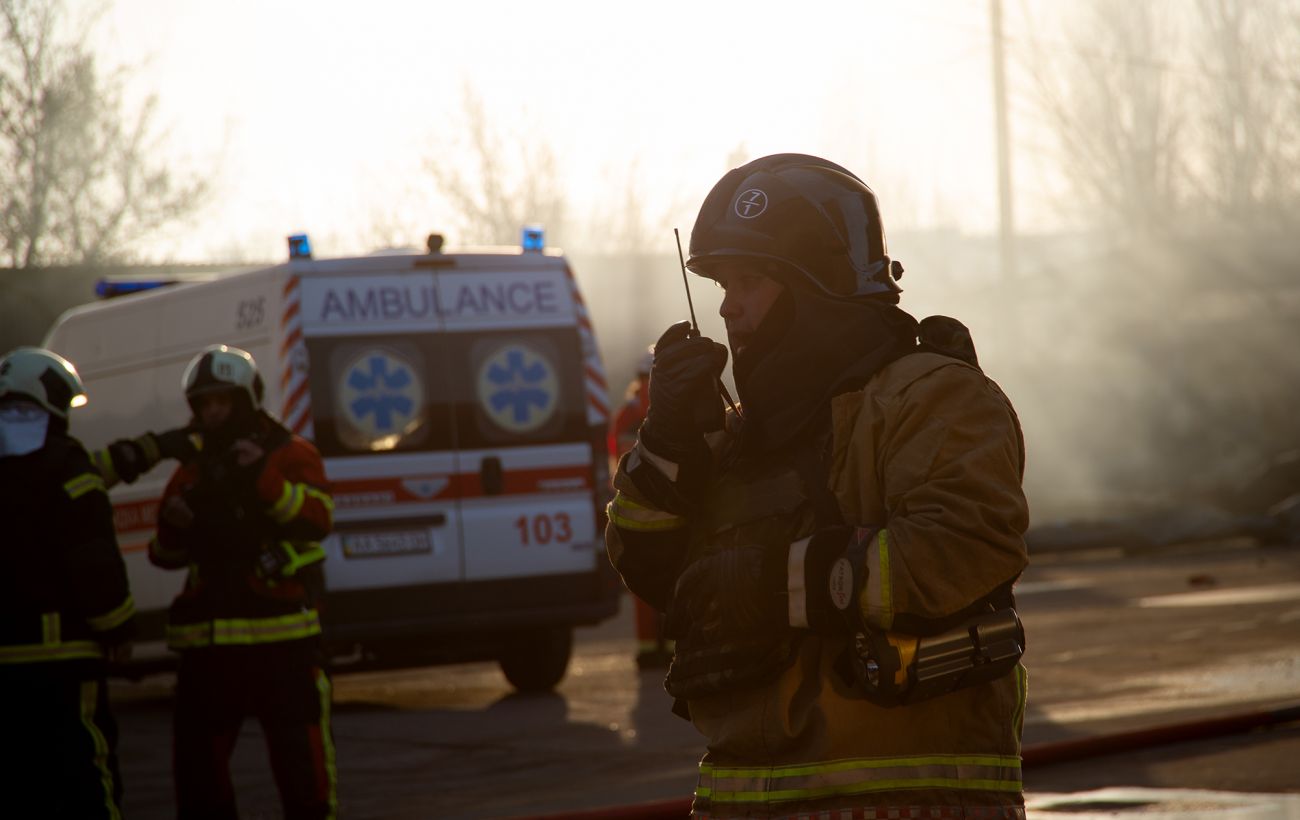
x=64, y=602
x=653, y=648
x=809, y=551
x=246, y=517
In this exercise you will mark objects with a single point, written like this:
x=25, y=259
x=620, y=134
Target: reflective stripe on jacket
x=52, y=645
x=244, y=631
x=858, y=776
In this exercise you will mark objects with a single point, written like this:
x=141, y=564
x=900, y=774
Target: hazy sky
x=321, y=116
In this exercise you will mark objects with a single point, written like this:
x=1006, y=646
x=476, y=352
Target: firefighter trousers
x=285, y=688
x=58, y=744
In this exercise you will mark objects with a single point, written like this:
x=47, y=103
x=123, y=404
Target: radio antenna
x=695, y=326
x=686, y=283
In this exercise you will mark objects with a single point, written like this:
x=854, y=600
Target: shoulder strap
x=948, y=337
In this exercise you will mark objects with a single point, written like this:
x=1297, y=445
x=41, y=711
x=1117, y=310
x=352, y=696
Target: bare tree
x=1249, y=135
x=511, y=188
x=1116, y=116
x=1170, y=122
x=79, y=181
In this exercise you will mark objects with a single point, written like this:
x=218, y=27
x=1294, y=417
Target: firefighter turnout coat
x=930, y=452
x=253, y=552
x=64, y=601
x=63, y=588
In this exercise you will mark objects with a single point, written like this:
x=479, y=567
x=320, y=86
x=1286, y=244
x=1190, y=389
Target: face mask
x=22, y=429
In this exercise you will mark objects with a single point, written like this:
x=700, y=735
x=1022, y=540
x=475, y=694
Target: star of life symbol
x=518, y=388
x=751, y=203
x=379, y=394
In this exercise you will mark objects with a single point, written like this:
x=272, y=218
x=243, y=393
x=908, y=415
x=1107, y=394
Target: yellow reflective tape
x=902, y=784
x=1022, y=697
x=41, y=652
x=149, y=446
x=320, y=495
x=886, y=586
x=877, y=604
x=82, y=484
x=244, y=631
x=89, y=702
x=327, y=740
x=302, y=555
x=51, y=627
x=289, y=504
x=630, y=515
x=186, y=636
x=849, y=777
x=103, y=463
x=803, y=769
x=114, y=617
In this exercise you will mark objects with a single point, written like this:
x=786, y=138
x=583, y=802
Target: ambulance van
x=459, y=402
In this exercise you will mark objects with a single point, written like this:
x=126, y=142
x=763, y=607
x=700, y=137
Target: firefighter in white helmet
x=245, y=518
x=65, y=606
x=836, y=560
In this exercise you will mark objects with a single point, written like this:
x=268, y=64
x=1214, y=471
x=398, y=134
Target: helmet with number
x=221, y=367
x=43, y=377
x=812, y=222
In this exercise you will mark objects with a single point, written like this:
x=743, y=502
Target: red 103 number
x=544, y=528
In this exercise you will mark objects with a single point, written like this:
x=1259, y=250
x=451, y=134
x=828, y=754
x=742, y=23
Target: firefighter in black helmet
x=245, y=518
x=64, y=602
x=823, y=553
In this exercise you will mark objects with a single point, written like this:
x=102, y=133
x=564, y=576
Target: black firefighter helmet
x=813, y=220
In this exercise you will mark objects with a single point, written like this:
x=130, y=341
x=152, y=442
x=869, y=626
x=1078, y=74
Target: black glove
x=728, y=616
x=684, y=405
x=740, y=591
x=129, y=459
x=177, y=444
x=684, y=399
x=733, y=594
x=133, y=458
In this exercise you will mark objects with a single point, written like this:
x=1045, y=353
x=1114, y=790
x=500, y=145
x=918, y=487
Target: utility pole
x=1006, y=215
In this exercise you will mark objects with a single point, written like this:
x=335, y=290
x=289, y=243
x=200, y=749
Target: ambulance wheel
x=536, y=661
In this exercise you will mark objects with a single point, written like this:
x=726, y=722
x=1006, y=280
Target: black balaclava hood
x=241, y=423
x=808, y=349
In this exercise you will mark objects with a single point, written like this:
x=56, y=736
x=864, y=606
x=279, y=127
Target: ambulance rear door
x=524, y=452
x=383, y=421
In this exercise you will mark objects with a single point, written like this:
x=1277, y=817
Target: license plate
x=374, y=544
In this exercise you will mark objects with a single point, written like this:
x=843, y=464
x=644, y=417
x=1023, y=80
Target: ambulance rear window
x=518, y=387
x=377, y=394
x=423, y=392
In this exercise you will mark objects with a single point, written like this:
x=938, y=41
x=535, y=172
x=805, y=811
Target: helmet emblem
x=751, y=203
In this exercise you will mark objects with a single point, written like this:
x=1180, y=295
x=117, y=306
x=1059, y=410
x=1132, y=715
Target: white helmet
x=41, y=376
x=220, y=367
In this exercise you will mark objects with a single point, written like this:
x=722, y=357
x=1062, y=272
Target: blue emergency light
x=299, y=246
x=108, y=288
x=533, y=239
